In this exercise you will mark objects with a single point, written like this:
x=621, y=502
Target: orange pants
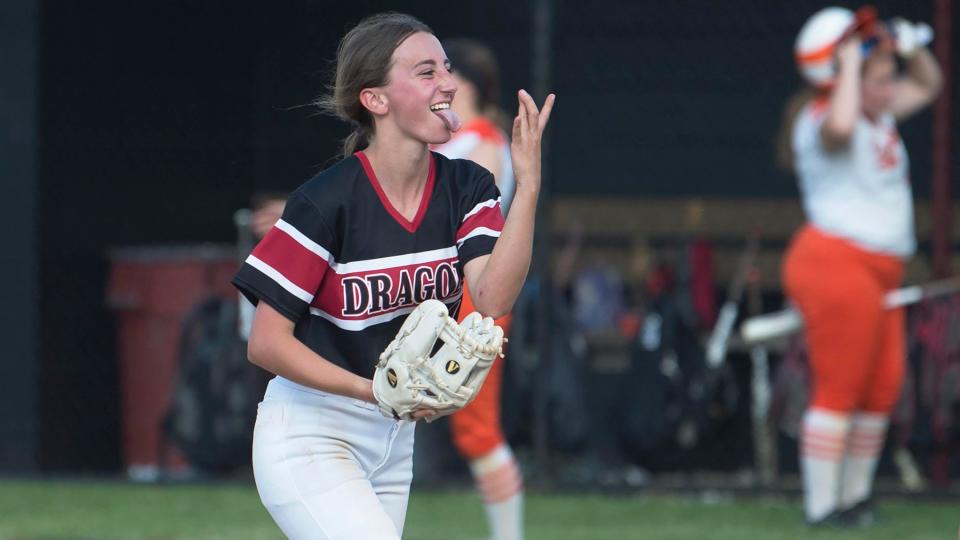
x=476, y=428
x=856, y=346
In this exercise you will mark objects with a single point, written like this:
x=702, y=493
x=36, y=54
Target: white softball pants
x=329, y=467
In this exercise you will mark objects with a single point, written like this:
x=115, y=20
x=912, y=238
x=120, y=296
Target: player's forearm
x=283, y=354
x=923, y=69
x=506, y=270
x=844, y=103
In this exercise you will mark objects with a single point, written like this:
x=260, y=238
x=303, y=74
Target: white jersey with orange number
x=466, y=141
x=862, y=192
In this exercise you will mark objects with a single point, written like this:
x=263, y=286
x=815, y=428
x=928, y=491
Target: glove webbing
x=459, y=335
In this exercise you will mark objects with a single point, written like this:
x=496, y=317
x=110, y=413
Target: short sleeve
x=287, y=267
x=482, y=219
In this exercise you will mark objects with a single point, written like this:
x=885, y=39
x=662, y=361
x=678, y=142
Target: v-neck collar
x=410, y=226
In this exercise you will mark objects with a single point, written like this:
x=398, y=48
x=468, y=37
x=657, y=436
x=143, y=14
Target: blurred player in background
x=842, y=142
x=266, y=208
x=476, y=429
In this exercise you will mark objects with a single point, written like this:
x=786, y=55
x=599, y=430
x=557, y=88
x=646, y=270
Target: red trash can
x=151, y=289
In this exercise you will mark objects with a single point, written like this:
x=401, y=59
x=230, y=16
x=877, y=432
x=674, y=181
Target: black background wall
x=19, y=38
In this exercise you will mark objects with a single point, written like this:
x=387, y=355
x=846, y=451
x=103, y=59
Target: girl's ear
x=374, y=101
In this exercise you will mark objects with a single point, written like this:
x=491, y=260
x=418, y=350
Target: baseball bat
x=789, y=321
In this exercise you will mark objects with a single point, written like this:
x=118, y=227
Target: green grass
x=73, y=510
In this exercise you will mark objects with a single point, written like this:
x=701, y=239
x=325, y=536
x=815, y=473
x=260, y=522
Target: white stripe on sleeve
x=281, y=280
x=304, y=241
x=479, y=231
x=489, y=203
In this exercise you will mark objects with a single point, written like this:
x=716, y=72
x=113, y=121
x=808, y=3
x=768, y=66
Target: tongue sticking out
x=450, y=119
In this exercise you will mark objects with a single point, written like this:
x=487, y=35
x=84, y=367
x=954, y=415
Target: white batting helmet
x=817, y=42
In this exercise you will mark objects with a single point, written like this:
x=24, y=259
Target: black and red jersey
x=345, y=266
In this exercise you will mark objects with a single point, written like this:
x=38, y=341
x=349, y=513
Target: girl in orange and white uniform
x=476, y=429
x=854, y=182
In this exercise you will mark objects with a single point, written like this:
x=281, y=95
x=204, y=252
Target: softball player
x=853, y=173
x=358, y=247
x=476, y=429
x=267, y=208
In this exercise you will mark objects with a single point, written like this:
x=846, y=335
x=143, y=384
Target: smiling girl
x=358, y=247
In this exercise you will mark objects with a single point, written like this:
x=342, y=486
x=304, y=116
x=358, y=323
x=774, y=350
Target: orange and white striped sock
x=822, y=446
x=867, y=434
x=500, y=483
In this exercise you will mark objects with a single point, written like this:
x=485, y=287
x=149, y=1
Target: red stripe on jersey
x=410, y=226
x=298, y=264
x=489, y=217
